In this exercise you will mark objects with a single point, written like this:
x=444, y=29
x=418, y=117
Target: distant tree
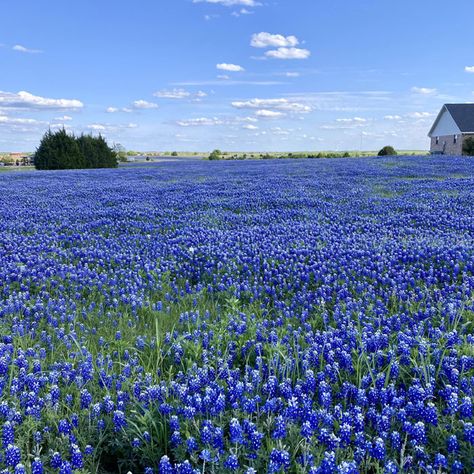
x=468, y=146
x=96, y=152
x=121, y=152
x=60, y=150
x=175, y=153
x=387, y=151
x=215, y=155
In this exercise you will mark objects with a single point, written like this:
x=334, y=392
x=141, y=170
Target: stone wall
x=446, y=145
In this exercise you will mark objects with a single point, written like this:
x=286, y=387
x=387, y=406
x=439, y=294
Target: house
x=454, y=124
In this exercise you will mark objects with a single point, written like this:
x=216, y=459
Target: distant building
x=454, y=124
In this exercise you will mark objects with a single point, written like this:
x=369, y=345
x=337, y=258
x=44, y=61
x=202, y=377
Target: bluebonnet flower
x=56, y=460
x=279, y=459
x=119, y=419
x=76, y=457
x=452, y=444
x=232, y=463
x=37, y=466
x=236, y=432
x=280, y=428
x=8, y=434
x=165, y=466
x=12, y=455
x=65, y=468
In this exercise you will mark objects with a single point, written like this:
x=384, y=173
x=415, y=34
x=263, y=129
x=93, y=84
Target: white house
x=454, y=124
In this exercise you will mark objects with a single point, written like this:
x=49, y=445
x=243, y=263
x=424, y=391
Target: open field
x=259, y=316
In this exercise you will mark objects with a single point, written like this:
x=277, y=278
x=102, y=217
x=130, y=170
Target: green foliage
x=60, y=150
x=468, y=146
x=175, y=153
x=215, y=155
x=387, y=151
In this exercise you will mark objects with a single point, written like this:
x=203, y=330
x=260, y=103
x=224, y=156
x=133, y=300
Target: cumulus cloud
x=268, y=40
x=143, y=104
x=250, y=127
x=423, y=90
x=105, y=127
x=172, y=94
x=265, y=113
x=200, y=122
x=25, y=100
x=392, y=117
x=231, y=3
x=469, y=69
x=19, y=121
x=23, y=49
x=288, y=53
x=284, y=105
x=229, y=67
x=418, y=115
x=64, y=118
x=352, y=120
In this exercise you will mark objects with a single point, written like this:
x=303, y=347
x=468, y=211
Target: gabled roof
x=462, y=114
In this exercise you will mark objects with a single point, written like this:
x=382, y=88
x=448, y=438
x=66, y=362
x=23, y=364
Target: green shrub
x=468, y=146
x=387, y=151
x=60, y=150
x=175, y=153
x=215, y=155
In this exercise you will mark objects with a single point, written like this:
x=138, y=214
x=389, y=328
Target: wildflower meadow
x=293, y=316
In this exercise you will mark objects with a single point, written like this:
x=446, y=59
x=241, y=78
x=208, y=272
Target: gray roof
x=463, y=115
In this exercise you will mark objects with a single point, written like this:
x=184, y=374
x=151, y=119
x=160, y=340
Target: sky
x=238, y=75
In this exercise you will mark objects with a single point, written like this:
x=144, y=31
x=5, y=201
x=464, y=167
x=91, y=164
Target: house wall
x=450, y=148
x=445, y=126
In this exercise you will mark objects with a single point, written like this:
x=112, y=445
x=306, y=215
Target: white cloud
x=172, y=94
x=201, y=94
x=64, y=118
x=250, y=127
x=200, y=122
x=97, y=127
x=267, y=40
x=23, y=49
x=352, y=120
x=106, y=127
x=292, y=74
x=288, y=53
x=418, y=115
x=423, y=90
x=19, y=121
x=112, y=110
x=265, y=113
x=25, y=100
x=275, y=104
x=392, y=117
x=223, y=77
x=231, y=3
x=469, y=69
x=242, y=11
x=143, y=104
x=229, y=67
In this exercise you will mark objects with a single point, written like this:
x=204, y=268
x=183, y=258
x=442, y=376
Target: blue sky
x=233, y=74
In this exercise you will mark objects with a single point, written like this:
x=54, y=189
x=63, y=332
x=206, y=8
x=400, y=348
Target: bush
x=175, y=153
x=387, y=151
x=468, y=146
x=60, y=151
x=215, y=155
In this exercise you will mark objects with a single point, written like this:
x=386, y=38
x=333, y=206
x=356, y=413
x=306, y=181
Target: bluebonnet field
x=280, y=316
